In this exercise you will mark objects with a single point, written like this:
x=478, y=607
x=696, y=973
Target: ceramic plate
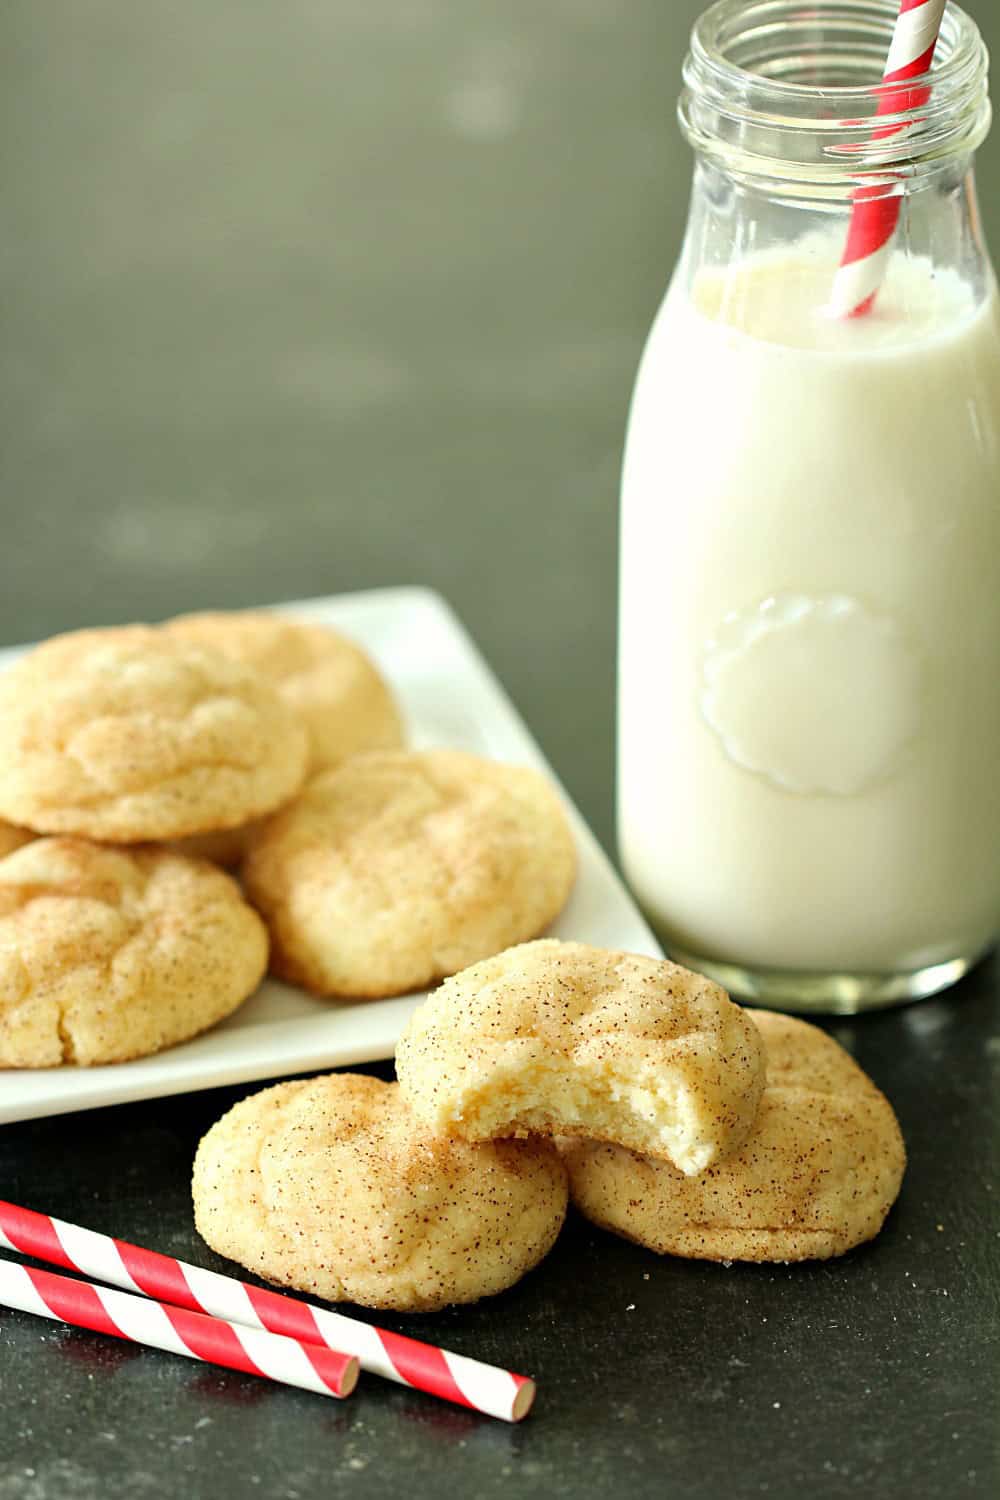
x=450, y=697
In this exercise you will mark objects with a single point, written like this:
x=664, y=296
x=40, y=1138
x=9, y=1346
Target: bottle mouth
x=795, y=92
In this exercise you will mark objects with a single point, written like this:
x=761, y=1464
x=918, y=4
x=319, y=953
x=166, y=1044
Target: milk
x=809, y=710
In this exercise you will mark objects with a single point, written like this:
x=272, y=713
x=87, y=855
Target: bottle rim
x=780, y=90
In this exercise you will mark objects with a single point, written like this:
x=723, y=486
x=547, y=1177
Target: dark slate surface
x=874, y=1374
x=331, y=294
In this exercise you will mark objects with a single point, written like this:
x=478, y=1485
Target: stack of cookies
x=547, y=1072
x=137, y=761
x=534, y=1074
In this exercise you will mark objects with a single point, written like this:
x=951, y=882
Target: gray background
x=310, y=296
x=301, y=296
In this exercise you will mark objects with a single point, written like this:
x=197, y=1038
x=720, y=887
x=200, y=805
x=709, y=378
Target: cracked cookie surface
x=817, y=1175
x=328, y=681
x=402, y=867
x=125, y=735
x=331, y=1186
x=109, y=954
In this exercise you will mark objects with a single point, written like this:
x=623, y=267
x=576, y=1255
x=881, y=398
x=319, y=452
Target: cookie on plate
x=127, y=734
x=817, y=1176
x=109, y=954
x=12, y=838
x=564, y=1039
x=402, y=867
x=331, y=1187
x=334, y=686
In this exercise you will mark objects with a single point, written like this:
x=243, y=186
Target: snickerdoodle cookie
x=401, y=867
x=108, y=954
x=334, y=686
x=817, y=1175
x=561, y=1038
x=331, y=1186
x=128, y=734
x=12, y=838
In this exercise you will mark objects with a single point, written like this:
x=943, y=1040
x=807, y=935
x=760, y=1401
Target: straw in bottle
x=875, y=216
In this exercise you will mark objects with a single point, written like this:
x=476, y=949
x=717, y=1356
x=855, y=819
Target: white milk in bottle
x=809, y=677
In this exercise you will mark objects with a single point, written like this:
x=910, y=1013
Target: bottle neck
x=791, y=98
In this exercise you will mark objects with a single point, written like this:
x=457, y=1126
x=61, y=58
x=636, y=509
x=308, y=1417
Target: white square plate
x=450, y=697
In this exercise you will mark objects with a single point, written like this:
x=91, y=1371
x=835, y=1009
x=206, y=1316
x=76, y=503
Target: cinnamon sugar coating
x=401, y=867
x=109, y=954
x=817, y=1175
x=331, y=1186
x=559, y=1038
x=126, y=734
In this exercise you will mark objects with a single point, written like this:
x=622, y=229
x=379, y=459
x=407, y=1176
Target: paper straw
x=424, y=1367
x=873, y=217
x=160, y=1326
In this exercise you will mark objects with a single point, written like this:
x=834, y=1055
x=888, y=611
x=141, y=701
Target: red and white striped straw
x=424, y=1367
x=874, y=217
x=195, y=1335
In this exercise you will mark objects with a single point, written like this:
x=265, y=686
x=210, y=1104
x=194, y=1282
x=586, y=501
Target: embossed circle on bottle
x=814, y=694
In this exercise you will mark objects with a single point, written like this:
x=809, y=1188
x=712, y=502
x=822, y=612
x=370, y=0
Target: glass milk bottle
x=809, y=675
